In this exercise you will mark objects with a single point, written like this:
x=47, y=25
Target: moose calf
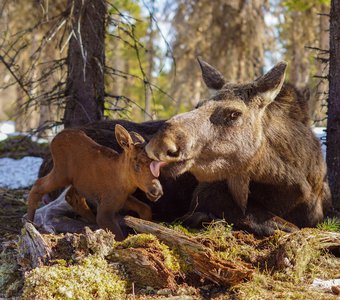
x=99, y=174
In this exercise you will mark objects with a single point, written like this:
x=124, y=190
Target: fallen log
x=201, y=259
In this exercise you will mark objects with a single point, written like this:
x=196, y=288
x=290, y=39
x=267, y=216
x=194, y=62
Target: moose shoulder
x=255, y=139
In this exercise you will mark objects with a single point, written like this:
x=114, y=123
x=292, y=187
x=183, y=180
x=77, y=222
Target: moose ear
x=213, y=78
x=137, y=138
x=269, y=85
x=123, y=137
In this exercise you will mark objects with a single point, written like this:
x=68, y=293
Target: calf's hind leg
x=42, y=186
x=142, y=209
x=80, y=205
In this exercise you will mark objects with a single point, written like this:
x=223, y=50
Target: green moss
x=142, y=240
x=180, y=228
x=171, y=258
x=10, y=276
x=93, y=278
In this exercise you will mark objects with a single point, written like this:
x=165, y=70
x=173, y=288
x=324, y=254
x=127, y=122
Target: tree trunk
x=333, y=125
x=86, y=60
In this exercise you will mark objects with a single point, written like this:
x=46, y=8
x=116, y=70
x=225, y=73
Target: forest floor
x=91, y=265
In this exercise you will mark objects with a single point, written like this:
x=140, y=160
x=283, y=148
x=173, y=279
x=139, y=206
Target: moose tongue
x=155, y=167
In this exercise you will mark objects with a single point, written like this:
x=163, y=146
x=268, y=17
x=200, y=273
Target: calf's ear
x=269, y=85
x=123, y=137
x=137, y=138
x=213, y=78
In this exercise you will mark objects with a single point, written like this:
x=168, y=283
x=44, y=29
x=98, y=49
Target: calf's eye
x=137, y=167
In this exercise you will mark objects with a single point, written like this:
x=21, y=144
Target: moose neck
x=124, y=180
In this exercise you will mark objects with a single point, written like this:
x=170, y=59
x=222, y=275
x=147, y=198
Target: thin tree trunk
x=317, y=101
x=45, y=109
x=86, y=60
x=151, y=53
x=333, y=125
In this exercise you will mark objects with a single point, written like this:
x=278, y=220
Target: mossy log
x=201, y=259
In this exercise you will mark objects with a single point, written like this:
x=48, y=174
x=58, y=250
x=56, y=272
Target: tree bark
x=333, y=123
x=86, y=61
x=319, y=99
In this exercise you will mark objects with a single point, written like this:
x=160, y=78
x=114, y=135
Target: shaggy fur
x=255, y=139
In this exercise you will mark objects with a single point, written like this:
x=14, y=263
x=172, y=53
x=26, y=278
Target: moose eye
x=137, y=167
x=235, y=115
x=224, y=117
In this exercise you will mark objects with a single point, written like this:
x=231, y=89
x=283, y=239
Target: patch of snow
x=19, y=173
x=320, y=133
x=39, y=140
x=325, y=284
x=3, y=136
x=7, y=127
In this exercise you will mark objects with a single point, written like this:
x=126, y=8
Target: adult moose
x=252, y=149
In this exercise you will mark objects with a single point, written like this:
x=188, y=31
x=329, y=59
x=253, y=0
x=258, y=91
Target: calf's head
x=221, y=136
x=137, y=165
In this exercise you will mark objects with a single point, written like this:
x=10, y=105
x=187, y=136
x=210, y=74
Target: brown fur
x=101, y=175
x=255, y=138
x=177, y=191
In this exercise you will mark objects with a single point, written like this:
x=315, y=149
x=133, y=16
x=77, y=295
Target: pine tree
x=85, y=62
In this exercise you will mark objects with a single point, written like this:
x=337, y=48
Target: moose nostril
x=155, y=192
x=172, y=153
